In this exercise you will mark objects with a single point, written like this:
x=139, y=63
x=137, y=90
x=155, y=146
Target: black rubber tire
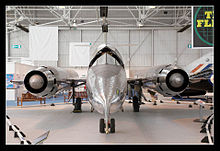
x=78, y=104
x=136, y=105
x=112, y=125
x=101, y=126
x=136, y=109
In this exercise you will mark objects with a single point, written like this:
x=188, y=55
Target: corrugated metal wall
x=64, y=38
x=19, y=38
x=145, y=47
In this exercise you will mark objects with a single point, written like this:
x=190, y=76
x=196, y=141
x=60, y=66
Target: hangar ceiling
x=87, y=17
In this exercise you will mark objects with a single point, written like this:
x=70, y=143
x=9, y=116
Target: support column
x=177, y=42
x=73, y=89
x=152, y=47
x=129, y=55
x=7, y=46
x=81, y=35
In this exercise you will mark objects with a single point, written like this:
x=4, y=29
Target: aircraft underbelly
x=106, y=86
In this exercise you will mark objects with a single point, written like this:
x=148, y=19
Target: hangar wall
x=145, y=47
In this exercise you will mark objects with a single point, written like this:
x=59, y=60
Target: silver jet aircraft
x=106, y=82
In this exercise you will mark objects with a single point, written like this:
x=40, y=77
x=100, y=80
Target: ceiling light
x=61, y=7
x=140, y=24
x=74, y=24
x=152, y=6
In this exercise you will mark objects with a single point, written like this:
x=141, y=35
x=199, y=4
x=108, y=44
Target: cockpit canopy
x=106, y=54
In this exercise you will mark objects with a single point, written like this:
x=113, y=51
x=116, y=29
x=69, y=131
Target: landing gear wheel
x=92, y=109
x=112, y=126
x=136, y=105
x=101, y=126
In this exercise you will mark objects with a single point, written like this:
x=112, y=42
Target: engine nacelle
x=42, y=82
x=168, y=80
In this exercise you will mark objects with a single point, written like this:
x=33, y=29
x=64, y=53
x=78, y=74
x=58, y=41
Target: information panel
x=9, y=77
x=203, y=27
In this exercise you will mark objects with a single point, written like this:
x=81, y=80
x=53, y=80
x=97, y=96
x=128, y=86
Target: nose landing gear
x=110, y=128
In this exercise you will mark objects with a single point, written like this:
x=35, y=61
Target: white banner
x=79, y=54
x=43, y=43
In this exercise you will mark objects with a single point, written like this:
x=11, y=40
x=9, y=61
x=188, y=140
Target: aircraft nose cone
x=176, y=80
x=36, y=81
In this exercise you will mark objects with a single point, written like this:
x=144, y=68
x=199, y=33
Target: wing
x=138, y=80
x=77, y=80
x=203, y=80
x=17, y=82
x=168, y=80
x=47, y=81
x=69, y=83
x=202, y=75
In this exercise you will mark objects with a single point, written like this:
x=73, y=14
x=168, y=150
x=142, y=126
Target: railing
x=23, y=60
x=17, y=133
x=21, y=135
x=206, y=128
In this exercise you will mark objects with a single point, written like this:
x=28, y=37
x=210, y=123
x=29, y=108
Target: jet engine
x=168, y=80
x=42, y=82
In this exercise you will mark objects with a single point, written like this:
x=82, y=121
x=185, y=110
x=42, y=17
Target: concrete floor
x=165, y=123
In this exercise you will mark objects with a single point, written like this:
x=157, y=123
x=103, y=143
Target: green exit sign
x=15, y=46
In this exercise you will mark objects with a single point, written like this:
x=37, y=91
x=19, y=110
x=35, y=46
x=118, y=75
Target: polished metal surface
x=157, y=78
x=53, y=75
x=36, y=81
x=106, y=84
x=176, y=80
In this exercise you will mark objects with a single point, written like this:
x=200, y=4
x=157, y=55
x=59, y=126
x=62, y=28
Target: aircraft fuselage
x=106, y=82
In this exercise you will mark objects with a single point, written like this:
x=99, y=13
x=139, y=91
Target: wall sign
x=9, y=77
x=203, y=27
x=15, y=46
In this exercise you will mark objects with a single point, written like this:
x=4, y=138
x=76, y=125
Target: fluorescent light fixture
x=140, y=24
x=151, y=6
x=74, y=25
x=61, y=7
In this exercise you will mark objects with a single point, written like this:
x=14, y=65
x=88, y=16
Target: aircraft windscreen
x=106, y=55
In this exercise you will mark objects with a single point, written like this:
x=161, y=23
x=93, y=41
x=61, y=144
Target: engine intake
x=40, y=82
x=35, y=81
x=168, y=80
x=177, y=80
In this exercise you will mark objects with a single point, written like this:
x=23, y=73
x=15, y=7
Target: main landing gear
x=136, y=104
x=110, y=128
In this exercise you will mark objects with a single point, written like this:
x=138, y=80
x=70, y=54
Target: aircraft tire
x=101, y=126
x=136, y=109
x=136, y=105
x=112, y=125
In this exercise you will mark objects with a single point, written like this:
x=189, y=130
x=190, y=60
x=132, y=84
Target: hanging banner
x=79, y=54
x=203, y=27
x=43, y=43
